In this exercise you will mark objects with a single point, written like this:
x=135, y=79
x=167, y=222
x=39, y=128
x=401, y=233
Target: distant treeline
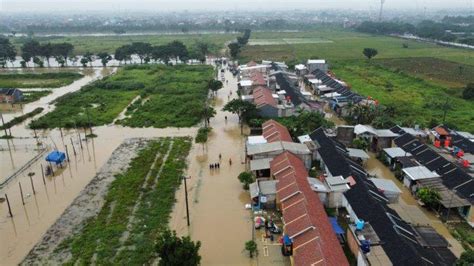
x=236, y=46
x=450, y=29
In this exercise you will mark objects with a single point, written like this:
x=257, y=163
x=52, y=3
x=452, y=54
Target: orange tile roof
x=274, y=131
x=263, y=96
x=257, y=78
x=441, y=131
x=304, y=216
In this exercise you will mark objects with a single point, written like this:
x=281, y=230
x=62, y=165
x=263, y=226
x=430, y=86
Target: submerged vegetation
x=38, y=80
x=169, y=96
x=20, y=119
x=136, y=210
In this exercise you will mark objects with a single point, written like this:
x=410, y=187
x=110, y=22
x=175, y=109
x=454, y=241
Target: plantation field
x=136, y=210
x=345, y=45
x=169, y=96
x=97, y=44
x=415, y=101
x=439, y=71
x=37, y=80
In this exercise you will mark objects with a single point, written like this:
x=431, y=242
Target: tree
x=428, y=196
x=370, y=52
x=234, y=49
x=360, y=143
x=173, y=250
x=84, y=61
x=251, y=247
x=123, y=53
x=62, y=50
x=178, y=50
x=89, y=57
x=142, y=49
x=208, y=113
x=7, y=51
x=243, y=109
x=46, y=50
x=246, y=179
x=202, y=135
x=466, y=259
x=30, y=49
x=104, y=58
x=215, y=85
x=468, y=92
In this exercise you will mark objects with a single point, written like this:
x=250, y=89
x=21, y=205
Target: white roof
x=316, y=61
x=363, y=129
x=385, y=133
x=281, y=92
x=324, y=88
x=419, y=172
x=396, y=152
x=254, y=190
x=296, y=148
x=252, y=140
x=385, y=185
x=317, y=185
x=467, y=135
x=304, y=138
x=260, y=164
x=246, y=68
x=331, y=95
x=306, y=93
x=315, y=81
x=267, y=187
x=414, y=132
x=358, y=153
x=245, y=83
x=247, y=97
x=300, y=67
x=275, y=96
x=337, y=183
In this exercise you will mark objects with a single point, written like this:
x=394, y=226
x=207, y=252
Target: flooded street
x=408, y=208
x=216, y=198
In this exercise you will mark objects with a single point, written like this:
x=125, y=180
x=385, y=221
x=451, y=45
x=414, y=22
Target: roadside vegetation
x=136, y=210
x=31, y=96
x=169, y=96
x=412, y=100
x=38, y=80
x=19, y=119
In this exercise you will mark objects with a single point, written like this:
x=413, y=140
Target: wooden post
x=21, y=194
x=31, y=180
x=79, y=136
x=51, y=165
x=61, y=131
x=8, y=204
x=3, y=124
x=73, y=149
x=67, y=153
x=42, y=174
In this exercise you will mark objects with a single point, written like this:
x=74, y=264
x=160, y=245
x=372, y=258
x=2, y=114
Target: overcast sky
x=250, y=5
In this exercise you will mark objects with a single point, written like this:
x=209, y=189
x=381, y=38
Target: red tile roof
x=263, y=96
x=306, y=221
x=257, y=78
x=441, y=131
x=274, y=131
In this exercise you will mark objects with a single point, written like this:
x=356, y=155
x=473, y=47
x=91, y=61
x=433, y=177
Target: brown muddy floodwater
x=216, y=198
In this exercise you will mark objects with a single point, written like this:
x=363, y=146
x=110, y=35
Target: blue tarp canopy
x=335, y=226
x=56, y=157
x=286, y=240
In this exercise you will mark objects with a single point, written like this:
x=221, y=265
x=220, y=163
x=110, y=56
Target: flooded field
x=288, y=41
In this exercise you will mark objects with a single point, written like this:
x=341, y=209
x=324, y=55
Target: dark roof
x=7, y=91
x=465, y=144
x=398, y=238
x=407, y=161
x=333, y=159
x=338, y=87
x=453, y=177
x=285, y=84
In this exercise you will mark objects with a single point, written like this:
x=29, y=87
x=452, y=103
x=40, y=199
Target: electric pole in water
x=186, y=197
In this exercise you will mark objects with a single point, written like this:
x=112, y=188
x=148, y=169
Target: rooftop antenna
x=381, y=9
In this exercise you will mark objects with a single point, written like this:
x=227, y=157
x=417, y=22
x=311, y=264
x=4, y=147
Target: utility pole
x=186, y=197
x=446, y=107
x=382, y=2
x=3, y=124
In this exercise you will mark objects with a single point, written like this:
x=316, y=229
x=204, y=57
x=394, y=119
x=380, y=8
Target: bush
x=246, y=178
x=468, y=92
x=202, y=135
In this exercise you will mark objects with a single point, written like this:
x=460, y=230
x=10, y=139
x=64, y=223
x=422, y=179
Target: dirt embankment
x=86, y=205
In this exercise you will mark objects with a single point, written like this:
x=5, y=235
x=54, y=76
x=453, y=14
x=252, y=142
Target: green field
x=97, y=44
x=345, y=45
x=169, y=96
x=438, y=71
x=31, y=96
x=145, y=192
x=37, y=80
x=415, y=101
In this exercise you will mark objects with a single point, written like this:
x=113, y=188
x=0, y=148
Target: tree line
x=236, y=46
x=37, y=52
x=443, y=31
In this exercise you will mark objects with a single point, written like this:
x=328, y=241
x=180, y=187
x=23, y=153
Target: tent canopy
x=56, y=157
x=335, y=226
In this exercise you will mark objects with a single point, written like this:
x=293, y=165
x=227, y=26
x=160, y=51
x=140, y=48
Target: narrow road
x=216, y=198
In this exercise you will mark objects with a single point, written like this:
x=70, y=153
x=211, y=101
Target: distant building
x=11, y=95
x=313, y=64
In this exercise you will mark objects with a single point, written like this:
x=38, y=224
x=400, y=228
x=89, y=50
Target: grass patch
x=174, y=96
x=38, y=80
x=31, y=96
x=345, y=45
x=19, y=119
x=464, y=233
x=438, y=71
x=101, y=235
x=202, y=135
x=415, y=101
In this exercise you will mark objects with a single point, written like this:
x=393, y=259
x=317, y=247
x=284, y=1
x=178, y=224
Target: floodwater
x=408, y=208
x=216, y=198
x=42, y=207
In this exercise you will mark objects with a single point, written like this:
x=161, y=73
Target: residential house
x=390, y=155
x=388, y=188
x=11, y=95
x=378, y=139
x=301, y=70
x=412, y=175
x=273, y=149
x=317, y=64
x=306, y=223
x=263, y=194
